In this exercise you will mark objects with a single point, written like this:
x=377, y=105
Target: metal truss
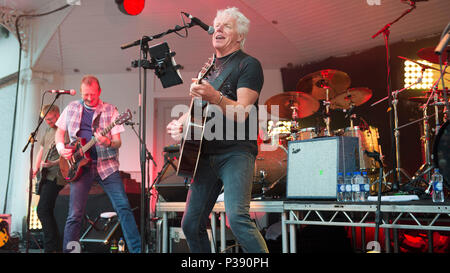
x=399, y=216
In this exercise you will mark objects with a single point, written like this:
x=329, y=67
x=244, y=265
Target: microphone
x=131, y=123
x=71, y=92
x=198, y=22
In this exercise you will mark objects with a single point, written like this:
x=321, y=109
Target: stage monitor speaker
x=171, y=187
x=313, y=165
x=101, y=230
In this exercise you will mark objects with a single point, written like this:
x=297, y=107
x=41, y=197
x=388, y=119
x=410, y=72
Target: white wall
x=9, y=55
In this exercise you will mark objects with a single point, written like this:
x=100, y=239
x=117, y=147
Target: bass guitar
x=193, y=130
x=71, y=168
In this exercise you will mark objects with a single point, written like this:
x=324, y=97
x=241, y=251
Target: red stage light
x=131, y=7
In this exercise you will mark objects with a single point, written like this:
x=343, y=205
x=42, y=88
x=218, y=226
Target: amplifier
x=313, y=165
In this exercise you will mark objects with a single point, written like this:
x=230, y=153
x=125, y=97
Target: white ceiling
x=281, y=31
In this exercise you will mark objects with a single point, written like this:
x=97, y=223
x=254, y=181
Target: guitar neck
x=93, y=140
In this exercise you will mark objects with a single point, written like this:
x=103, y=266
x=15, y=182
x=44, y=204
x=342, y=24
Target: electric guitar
x=194, y=128
x=42, y=172
x=4, y=236
x=71, y=168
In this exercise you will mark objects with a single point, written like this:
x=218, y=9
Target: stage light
x=35, y=224
x=131, y=7
x=413, y=72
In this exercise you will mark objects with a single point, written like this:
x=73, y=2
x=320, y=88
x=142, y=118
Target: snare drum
x=368, y=141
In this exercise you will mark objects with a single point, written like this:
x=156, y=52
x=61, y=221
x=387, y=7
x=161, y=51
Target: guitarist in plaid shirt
x=85, y=118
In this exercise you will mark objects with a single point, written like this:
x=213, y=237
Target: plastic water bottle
x=340, y=192
x=348, y=187
x=437, y=182
x=121, y=245
x=357, y=181
x=365, y=188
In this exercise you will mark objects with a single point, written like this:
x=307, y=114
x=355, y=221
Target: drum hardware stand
x=323, y=84
x=327, y=104
x=394, y=101
x=398, y=170
x=385, y=30
x=294, y=123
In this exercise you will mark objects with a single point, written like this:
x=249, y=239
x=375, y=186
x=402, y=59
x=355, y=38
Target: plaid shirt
x=70, y=119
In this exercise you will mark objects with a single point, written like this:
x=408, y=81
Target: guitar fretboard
x=94, y=139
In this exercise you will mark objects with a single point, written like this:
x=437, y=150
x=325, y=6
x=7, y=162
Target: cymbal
x=305, y=104
x=420, y=64
x=429, y=55
x=356, y=96
x=316, y=83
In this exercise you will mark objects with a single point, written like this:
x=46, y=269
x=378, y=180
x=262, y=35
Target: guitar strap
x=232, y=64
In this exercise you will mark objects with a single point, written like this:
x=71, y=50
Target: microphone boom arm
x=146, y=39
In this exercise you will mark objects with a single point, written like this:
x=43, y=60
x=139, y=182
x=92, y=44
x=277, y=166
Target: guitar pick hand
x=102, y=140
x=175, y=129
x=204, y=90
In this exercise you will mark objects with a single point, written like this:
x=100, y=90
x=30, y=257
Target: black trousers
x=45, y=211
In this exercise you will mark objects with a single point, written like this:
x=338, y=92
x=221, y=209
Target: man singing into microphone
x=226, y=161
x=85, y=118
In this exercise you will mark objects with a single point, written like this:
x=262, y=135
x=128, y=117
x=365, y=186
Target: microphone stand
x=159, y=68
x=385, y=30
x=377, y=158
x=32, y=140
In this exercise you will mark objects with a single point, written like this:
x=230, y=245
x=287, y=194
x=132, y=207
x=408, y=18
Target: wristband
x=60, y=146
x=220, y=99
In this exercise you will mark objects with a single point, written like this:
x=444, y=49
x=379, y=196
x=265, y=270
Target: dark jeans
x=113, y=187
x=233, y=171
x=49, y=193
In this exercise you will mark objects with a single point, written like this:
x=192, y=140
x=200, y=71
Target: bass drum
x=269, y=177
x=441, y=152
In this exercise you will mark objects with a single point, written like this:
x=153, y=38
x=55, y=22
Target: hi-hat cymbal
x=305, y=104
x=356, y=96
x=316, y=83
x=429, y=55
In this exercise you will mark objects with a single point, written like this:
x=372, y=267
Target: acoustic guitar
x=194, y=128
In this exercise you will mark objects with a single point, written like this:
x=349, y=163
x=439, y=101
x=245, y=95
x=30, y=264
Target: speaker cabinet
x=313, y=165
x=170, y=186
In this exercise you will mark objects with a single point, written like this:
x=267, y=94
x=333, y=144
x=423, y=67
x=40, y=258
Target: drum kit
x=331, y=89
x=327, y=87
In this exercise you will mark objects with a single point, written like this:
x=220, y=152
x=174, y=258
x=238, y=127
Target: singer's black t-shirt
x=248, y=74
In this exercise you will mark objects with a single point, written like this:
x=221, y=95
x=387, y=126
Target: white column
x=28, y=102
